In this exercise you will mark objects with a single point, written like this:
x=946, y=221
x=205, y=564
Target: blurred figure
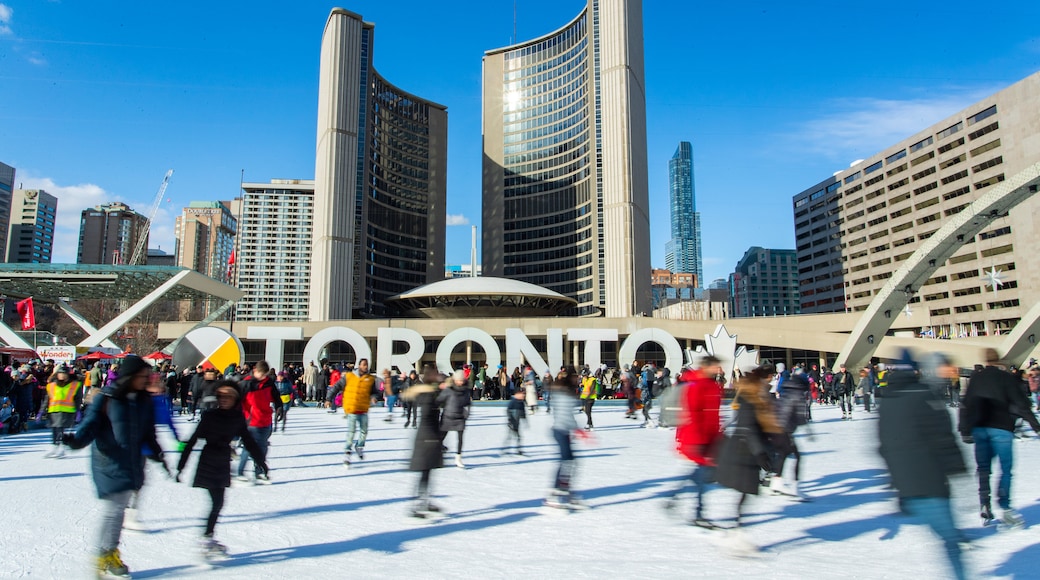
x=564, y=427
x=63, y=397
x=918, y=444
x=992, y=404
x=699, y=431
x=410, y=412
x=590, y=391
x=792, y=413
x=426, y=454
x=745, y=454
x=844, y=389
x=515, y=412
x=455, y=400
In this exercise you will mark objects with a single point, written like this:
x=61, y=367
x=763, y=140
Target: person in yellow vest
x=64, y=397
x=357, y=393
x=590, y=391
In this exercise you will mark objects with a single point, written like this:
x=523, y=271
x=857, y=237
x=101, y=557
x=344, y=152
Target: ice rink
x=321, y=520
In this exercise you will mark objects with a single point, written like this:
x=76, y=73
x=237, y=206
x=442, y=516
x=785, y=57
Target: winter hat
x=132, y=365
x=61, y=369
x=459, y=375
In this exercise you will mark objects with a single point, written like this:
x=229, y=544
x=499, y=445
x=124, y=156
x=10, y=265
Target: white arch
x=673, y=354
x=324, y=337
x=467, y=333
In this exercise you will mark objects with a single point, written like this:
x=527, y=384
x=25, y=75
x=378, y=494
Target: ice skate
x=110, y=565
x=458, y=461
x=1011, y=520
x=130, y=521
x=705, y=524
x=360, y=453
x=263, y=479
x=212, y=550
x=780, y=486
x=986, y=513
x=347, y=457
x=737, y=543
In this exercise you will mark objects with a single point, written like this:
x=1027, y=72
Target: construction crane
x=142, y=236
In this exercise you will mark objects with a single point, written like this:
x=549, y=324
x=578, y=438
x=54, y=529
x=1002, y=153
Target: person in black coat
x=455, y=400
x=120, y=423
x=219, y=427
x=427, y=454
x=918, y=444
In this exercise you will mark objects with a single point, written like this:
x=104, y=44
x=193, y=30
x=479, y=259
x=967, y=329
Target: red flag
x=230, y=264
x=26, y=313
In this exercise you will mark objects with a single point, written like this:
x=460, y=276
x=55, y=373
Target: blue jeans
x=990, y=443
x=356, y=423
x=935, y=511
x=700, y=477
x=261, y=435
x=391, y=401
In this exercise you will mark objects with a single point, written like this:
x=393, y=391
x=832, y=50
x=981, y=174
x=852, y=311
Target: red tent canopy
x=157, y=355
x=95, y=356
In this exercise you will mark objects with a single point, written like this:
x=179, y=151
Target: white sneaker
x=458, y=461
x=130, y=521
x=737, y=543
x=53, y=452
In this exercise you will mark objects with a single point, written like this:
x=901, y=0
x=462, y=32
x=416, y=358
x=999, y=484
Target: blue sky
x=99, y=99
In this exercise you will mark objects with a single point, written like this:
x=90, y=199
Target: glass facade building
x=380, y=181
x=6, y=195
x=683, y=251
x=564, y=180
x=765, y=283
x=31, y=239
x=108, y=234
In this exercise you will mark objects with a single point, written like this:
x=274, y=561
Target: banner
x=26, y=313
x=60, y=354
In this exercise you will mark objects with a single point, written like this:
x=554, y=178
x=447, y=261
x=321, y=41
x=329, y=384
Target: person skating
x=356, y=387
x=287, y=395
x=590, y=391
x=745, y=454
x=455, y=400
x=563, y=429
x=218, y=427
x=411, y=417
x=918, y=444
x=427, y=454
x=118, y=424
x=699, y=432
x=260, y=395
x=844, y=388
x=516, y=411
x=993, y=402
x=792, y=413
x=63, y=398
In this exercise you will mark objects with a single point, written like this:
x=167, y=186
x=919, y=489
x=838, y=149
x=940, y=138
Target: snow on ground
x=320, y=520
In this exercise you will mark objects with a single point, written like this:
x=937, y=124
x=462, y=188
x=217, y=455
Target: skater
x=992, y=404
x=310, y=378
x=629, y=389
x=515, y=412
x=119, y=423
x=426, y=454
x=646, y=383
x=918, y=445
x=392, y=388
x=745, y=454
x=530, y=388
x=260, y=395
x=408, y=403
x=563, y=429
x=63, y=398
x=699, y=432
x=455, y=401
x=356, y=387
x=590, y=391
x=218, y=427
x=792, y=413
x=287, y=395
x=844, y=388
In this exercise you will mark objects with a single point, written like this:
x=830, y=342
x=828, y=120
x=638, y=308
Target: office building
x=6, y=194
x=460, y=271
x=205, y=233
x=668, y=287
x=683, y=250
x=380, y=181
x=855, y=228
x=565, y=203
x=109, y=233
x=31, y=235
x=273, y=258
x=765, y=283
x=159, y=257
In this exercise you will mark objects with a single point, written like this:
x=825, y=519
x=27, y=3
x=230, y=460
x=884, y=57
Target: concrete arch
x=1022, y=341
x=930, y=256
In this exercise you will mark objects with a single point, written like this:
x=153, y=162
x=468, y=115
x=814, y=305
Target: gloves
x=763, y=461
x=968, y=439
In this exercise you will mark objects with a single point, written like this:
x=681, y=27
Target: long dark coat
x=427, y=453
x=739, y=457
x=456, y=402
x=219, y=427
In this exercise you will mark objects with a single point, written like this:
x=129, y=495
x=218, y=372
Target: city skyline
x=196, y=95
x=683, y=251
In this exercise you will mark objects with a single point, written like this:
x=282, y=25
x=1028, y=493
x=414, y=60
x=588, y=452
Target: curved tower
x=564, y=170
x=379, y=181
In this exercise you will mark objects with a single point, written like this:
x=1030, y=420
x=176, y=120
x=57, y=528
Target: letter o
x=325, y=336
x=673, y=354
x=467, y=333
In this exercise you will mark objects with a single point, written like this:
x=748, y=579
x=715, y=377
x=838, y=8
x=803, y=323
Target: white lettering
x=385, y=349
x=519, y=349
x=673, y=354
x=275, y=337
x=593, y=338
x=325, y=336
x=467, y=333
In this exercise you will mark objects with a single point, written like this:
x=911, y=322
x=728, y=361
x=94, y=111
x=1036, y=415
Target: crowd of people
x=116, y=410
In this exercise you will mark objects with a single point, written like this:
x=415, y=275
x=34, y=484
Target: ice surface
x=320, y=520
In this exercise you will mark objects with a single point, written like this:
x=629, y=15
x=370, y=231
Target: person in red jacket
x=259, y=396
x=699, y=430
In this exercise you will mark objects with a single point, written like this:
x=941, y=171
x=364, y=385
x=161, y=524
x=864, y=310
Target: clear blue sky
x=99, y=99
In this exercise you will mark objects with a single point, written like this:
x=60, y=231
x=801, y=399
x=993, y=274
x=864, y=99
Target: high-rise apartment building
x=273, y=263
x=668, y=287
x=6, y=193
x=380, y=181
x=765, y=283
x=31, y=237
x=855, y=229
x=683, y=250
x=565, y=202
x=108, y=234
x=205, y=233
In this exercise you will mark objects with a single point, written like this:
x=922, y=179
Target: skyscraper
x=765, y=283
x=379, y=181
x=565, y=202
x=6, y=192
x=273, y=263
x=108, y=234
x=205, y=237
x=683, y=251
x=31, y=238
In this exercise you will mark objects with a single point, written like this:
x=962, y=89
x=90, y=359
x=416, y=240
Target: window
x=984, y=148
x=951, y=145
x=985, y=114
x=957, y=192
x=950, y=130
x=983, y=131
x=954, y=177
x=853, y=177
x=896, y=170
x=895, y=157
x=919, y=160
x=924, y=173
x=990, y=181
x=987, y=164
x=833, y=187
x=921, y=144
x=872, y=168
x=925, y=188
